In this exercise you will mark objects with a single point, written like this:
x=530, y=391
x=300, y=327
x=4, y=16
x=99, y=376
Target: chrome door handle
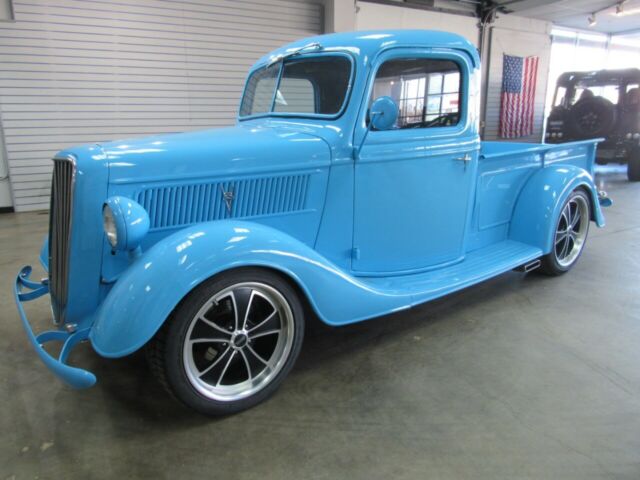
x=466, y=158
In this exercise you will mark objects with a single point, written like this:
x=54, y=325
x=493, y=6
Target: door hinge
x=355, y=253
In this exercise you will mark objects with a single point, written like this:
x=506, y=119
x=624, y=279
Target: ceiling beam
x=423, y=6
x=522, y=5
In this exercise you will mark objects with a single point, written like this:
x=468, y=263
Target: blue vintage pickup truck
x=354, y=184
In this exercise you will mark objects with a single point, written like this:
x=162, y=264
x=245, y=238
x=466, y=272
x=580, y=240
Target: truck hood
x=224, y=152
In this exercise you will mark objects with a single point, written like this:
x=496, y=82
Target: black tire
x=633, y=165
x=593, y=117
x=173, y=362
x=555, y=262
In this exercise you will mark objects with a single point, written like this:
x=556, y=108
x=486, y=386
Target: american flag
x=518, y=95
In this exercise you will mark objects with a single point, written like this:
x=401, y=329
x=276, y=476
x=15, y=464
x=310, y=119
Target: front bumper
x=26, y=290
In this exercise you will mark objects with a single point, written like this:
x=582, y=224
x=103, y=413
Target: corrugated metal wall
x=520, y=43
x=76, y=71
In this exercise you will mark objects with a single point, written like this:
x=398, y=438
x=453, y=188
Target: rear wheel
x=572, y=227
x=633, y=165
x=231, y=342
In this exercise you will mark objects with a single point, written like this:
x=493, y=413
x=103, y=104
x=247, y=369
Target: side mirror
x=383, y=113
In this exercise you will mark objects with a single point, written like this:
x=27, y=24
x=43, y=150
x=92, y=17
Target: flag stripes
x=519, y=75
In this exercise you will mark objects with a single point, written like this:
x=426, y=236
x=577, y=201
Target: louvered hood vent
x=180, y=205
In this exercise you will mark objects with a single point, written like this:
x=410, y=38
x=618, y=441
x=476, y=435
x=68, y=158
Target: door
x=414, y=182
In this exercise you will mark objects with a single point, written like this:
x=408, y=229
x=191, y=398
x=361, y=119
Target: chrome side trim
x=60, y=221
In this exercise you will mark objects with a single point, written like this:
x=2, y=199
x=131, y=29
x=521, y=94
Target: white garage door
x=79, y=71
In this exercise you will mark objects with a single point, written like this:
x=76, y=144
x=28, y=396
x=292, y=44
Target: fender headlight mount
x=125, y=223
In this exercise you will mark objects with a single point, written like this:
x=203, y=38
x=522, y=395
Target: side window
x=560, y=97
x=631, y=101
x=427, y=91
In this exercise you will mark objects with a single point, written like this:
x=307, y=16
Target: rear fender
x=147, y=292
x=540, y=203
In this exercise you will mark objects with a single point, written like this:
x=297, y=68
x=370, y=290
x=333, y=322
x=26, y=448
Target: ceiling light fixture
x=627, y=12
x=592, y=20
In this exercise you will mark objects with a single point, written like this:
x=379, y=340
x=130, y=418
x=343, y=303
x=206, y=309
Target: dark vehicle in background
x=605, y=103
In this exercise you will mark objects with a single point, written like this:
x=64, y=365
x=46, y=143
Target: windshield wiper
x=293, y=53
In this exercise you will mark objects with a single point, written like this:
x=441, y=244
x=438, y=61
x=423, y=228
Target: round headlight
x=628, y=136
x=125, y=223
x=636, y=135
x=109, y=225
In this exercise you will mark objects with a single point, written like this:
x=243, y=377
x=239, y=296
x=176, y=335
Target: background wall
x=371, y=16
x=521, y=37
x=76, y=71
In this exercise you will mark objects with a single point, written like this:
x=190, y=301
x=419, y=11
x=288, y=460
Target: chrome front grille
x=62, y=185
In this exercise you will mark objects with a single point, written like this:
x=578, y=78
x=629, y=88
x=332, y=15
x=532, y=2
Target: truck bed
x=580, y=153
x=503, y=170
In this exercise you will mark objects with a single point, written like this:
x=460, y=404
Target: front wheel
x=231, y=342
x=572, y=227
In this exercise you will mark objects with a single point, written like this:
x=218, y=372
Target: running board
x=477, y=266
x=528, y=267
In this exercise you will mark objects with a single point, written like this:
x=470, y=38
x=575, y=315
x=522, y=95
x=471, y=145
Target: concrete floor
x=520, y=377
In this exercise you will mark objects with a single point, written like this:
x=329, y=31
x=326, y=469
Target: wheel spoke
x=246, y=313
x=224, y=370
x=241, y=298
x=262, y=334
x=269, y=317
x=560, y=246
x=215, y=362
x=560, y=236
x=246, y=362
x=255, y=354
x=208, y=340
x=575, y=220
x=565, y=249
x=567, y=215
x=213, y=325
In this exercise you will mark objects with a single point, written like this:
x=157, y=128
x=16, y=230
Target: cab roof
x=365, y=44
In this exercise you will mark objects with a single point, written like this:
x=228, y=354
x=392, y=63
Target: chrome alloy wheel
x=571, y=231
x=238, y=341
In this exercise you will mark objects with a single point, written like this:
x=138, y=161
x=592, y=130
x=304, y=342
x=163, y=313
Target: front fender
x=147, y=292
x=540, y=202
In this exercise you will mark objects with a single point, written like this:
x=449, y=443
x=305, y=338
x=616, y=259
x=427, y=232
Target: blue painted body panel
x=125, y=320
x=389, y=219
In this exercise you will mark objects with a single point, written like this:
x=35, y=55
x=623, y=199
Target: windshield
x=307, y=86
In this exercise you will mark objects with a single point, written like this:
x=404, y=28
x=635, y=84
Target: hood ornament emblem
x=227, y=196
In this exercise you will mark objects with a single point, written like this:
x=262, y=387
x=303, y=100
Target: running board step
x=528, y=267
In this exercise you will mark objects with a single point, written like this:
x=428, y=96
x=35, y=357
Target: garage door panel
x=78, y=71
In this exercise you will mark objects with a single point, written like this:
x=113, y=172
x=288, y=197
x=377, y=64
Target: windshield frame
x=297, y=58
